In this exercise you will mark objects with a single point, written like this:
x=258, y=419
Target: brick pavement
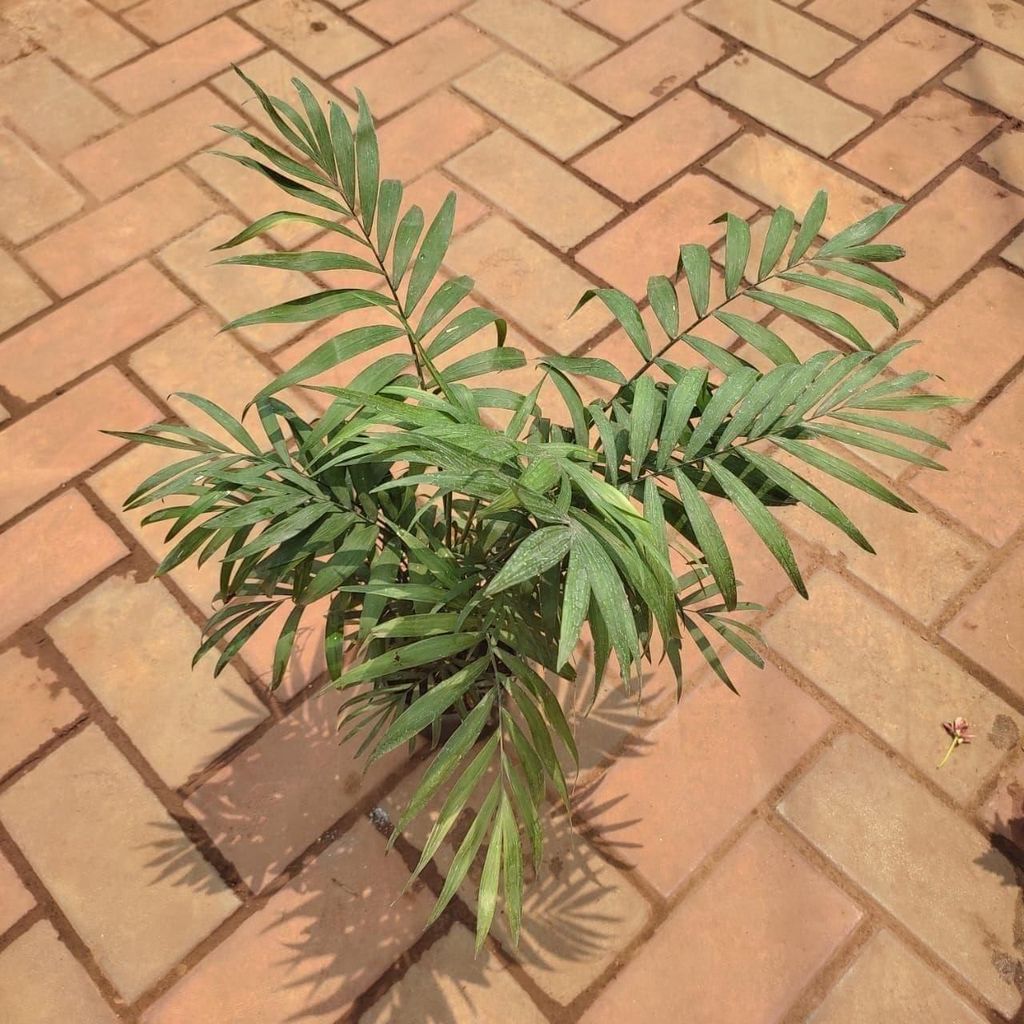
x=176, y=850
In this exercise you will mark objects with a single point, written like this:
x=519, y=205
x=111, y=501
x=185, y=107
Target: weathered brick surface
x=588, y=139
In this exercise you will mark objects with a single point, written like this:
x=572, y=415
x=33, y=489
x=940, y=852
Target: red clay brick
x=118, y=233
x=739, y=949
x=89, y=330
x=394, y=20
x=735, y=750
x=15, y=900
x=994, y=79
x=429, y=192
x=1003, y=812
x=860, y=19
x=996, y=23
x=625, y=20
x=163, y=21
x=638, y=76
x=172, y=69
x=658, y=145
x=22, y=296
x=62, y=438
x=47, y=572
x=147, y=146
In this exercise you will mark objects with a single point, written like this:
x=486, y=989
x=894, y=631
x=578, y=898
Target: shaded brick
x=118, y=233
x=549, y=37
x=427, y=134
x=22, y=296
x=535, y=288
x=163, y=21
x=138, y=893
x=996, y=23
x=305, y=953
x=1014, y=252
x=41, y=981
x=147, y=146
x=1003, y=812
x=32, y=196
x=862, y=19
x=533, y=188
x=40, y=452
x=133, y=646
x=312, y=32
x=746, y=746
x=920, y=142
x=45, y=574
x=88, y=330
x=625, y=20
x=785, y=102
x=410, y=70
x=779, y=175
x=992, y=78
x=1006, y=157
x=889, y=983
x=912, y=52
x=971, y=209
x=647, y=241
x=15, y=902
x=394, y=20
x=983, y=629
x=83, y=37
x=49, y=107
x=935, y=873
x=767, y=923
x=894, y=681
x=985, y=461
x=178, y=66
x=540, y=108
x=787, y=36
x=45, y=707
x=640, y=74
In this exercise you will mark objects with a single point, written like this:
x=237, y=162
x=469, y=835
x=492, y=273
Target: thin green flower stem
x=954, y=743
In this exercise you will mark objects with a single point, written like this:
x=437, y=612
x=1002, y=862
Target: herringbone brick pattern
x=177, y=850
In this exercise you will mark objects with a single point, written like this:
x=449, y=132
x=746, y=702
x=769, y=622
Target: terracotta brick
x=625, y=20
x=22, y=296
x=394, y=20
x=862, y=19
x=118, y=233
x=881, y=828
x=540, y=108
x=200, y=584
x=889, y=983
x=449, y=982
x=912, y=52
x=410, y=70
x=179, y=65
x=164, y=21
x=1014, y=252
x=45, y=573
x=920, y=142
x=147, y=146
x=984, y=462
x=658, y=145
x=779, y=175
x=88, y=330
x=305, y=953
x=427, y=134
x=999, y=24
x=15, y=902
x=746, y=745
x=311, y=32
x=647, y=241
x=535, y=288
x=985, y=626
x=48, y=106
x=971, y=209
x=787, y=36
x=767, y=923
x=139, y=894
x=133, y=646
x=894, y=681
x=40, y=980
x=82, y=36
x=992, y=78
x=785, y=102
x=429, y=192
x=533, y=188
x=1003, y=812
x=61, y=439
x=1006, y=157
x=45, y=707
x=32, y=196
x=552, y=39
x=637, y=76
